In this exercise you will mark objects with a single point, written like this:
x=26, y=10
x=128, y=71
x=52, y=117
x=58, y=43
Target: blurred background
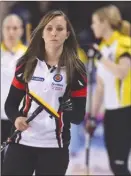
x=79, y=13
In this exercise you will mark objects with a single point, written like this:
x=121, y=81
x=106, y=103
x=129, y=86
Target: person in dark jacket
x=52, y=70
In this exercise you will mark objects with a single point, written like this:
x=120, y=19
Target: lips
x=54, y=40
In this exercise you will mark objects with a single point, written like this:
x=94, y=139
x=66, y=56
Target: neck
x=53, y=55
x=10, y=45
x=107, y=34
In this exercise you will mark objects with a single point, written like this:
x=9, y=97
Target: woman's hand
x=20, y=123
x=91, y=125
x=93, y=52
x=66, y=104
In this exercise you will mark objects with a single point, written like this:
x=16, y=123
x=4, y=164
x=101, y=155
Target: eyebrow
x=12, y=26
x=49, y=25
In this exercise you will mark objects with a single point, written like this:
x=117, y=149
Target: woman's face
x=97, y=26
x=55, y=32
x=12, y=30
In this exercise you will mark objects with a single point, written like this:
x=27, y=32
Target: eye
x=59, y=29
x=14, y=28
x=7, y=28
x=49, y=28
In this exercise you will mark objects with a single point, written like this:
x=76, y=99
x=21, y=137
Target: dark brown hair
x=69, y=57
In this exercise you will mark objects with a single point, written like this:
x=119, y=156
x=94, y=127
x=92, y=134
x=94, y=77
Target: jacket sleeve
x=78, y=97
x=16, y=93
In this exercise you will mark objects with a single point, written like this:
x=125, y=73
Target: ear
x=68, y=34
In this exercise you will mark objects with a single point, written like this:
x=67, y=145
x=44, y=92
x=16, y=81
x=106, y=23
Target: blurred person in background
x=11, y=50
x=113, y=84
x=52, y=56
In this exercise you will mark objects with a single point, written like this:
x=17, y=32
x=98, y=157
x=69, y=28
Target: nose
x=54, y=32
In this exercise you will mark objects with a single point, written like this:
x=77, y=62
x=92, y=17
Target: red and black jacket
x=78, y=95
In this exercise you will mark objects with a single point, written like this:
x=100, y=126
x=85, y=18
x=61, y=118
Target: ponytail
x=125, y=28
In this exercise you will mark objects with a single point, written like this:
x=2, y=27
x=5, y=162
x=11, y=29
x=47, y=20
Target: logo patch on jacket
x=57, y=86
x=35, y=78
x=58, y=78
